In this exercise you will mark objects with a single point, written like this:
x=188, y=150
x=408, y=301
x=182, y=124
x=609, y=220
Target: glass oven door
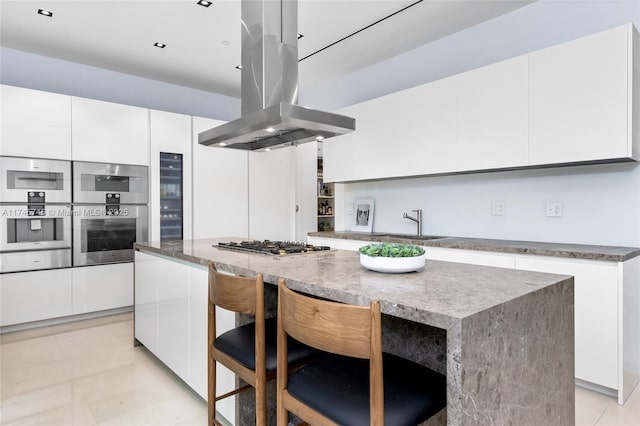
x=105, y=238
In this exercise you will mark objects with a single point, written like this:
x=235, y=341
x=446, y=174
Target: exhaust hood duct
x=270, y=116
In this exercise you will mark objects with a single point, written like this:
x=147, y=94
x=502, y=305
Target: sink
x=412, y=237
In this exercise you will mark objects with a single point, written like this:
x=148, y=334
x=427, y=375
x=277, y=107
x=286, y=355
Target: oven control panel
x=35, y=203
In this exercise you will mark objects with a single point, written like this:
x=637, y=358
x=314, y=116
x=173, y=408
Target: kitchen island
x=504, y=338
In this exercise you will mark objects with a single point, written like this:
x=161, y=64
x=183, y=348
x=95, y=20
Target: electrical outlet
x=554, y=210
x=498, y=209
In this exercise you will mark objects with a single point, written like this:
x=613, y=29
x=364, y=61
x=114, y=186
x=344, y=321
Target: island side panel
x=517, y=362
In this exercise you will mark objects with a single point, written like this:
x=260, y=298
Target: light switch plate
x=498, y=209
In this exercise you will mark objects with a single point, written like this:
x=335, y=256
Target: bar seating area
x=327, y=358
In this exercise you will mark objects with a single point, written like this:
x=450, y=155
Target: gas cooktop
x=277, y=248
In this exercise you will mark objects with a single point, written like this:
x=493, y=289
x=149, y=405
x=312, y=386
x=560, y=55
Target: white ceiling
x=203, y=44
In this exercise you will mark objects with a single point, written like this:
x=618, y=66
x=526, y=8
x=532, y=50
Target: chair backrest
x=339, y=328
x=330, y=326
x=234, y=293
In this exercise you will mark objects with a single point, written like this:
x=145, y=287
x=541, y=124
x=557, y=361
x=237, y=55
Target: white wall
x=601, y=204
x=22, y=69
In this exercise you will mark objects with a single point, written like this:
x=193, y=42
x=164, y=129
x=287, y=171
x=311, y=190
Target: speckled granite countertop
x=503, y=337
x=440, y=295
x=576, y=251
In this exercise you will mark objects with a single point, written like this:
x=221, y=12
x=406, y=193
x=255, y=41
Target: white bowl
x=392, y=265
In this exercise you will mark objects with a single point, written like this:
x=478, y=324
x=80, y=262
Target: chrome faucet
x=417, y=220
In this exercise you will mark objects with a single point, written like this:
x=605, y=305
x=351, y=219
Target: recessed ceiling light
x=160, y=45
x=267, y=149
x=270, y=130
x=300, y=36
x=238, y=67
x=45, y=13
x=222, y=144
x=319, y=138
x=226, y=42
x=204, y=3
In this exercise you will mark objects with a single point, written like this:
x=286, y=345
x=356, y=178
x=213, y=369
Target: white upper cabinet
x=109, y=132
x=580, y=99
x=402, y=134
x=170, y=133
x=472, y=121
x=35, y=124
x=220, y=198
x=575, y=102
x=492, y=116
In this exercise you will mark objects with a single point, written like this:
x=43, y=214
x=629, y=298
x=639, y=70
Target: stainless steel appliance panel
x=35, y=260
x=20, y=176
x=24, y=228
x=92, y=182
x=99, y=237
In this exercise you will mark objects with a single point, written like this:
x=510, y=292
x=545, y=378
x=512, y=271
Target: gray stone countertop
x=440, y=295
x=575, y=251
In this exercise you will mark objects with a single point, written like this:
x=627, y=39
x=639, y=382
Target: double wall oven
x=57, y=214
x=35, y=214
x=109, y=211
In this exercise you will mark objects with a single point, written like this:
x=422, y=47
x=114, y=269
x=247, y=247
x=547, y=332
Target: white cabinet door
x=108, y=132
x=197, y=326
x=101, y=287
x=173, y=315
x=146, y=300
x=272, y=195
x=473, y=257
x=220, y=194
x=596, y=314
x=34, y=296
x=492, y=116
x=579, y=99
x=170, y=133
x=34, y=123
x=407, y=133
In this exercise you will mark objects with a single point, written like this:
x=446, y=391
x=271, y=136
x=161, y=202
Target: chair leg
x=212, y=392
x=282, y=415
x=261, y=403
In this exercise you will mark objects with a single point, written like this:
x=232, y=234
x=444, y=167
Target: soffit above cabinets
x=203, y=43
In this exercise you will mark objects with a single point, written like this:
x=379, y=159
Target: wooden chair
x=355, y=383
x=249, y=350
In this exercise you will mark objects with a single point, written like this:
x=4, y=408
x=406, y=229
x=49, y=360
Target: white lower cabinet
x=102, y=287
x=596, y=314
x=35, y=296
x=171, y=305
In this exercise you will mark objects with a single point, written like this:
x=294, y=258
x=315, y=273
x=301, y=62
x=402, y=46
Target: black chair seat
x=338, y=387
x=240, y=343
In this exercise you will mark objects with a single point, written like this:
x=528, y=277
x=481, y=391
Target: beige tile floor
x=89, y=373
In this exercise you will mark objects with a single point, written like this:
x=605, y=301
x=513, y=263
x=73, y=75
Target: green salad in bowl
x=392, y=257
x=392, y=250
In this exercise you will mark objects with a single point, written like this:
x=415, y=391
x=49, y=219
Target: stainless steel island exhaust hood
x=270, y=116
